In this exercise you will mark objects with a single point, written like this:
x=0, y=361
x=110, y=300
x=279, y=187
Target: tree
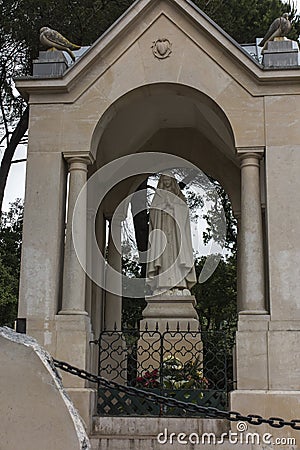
x=244, y=20
x=10, y=257
x=82, y=21
x=216, y=298
x=221, y=204
x=14, y=113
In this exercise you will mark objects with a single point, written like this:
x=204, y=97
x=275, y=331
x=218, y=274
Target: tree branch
x=4, y=121
x=16, y=137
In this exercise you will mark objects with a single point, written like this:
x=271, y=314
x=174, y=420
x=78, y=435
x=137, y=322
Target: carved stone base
x=170, y=312
x=170, y=327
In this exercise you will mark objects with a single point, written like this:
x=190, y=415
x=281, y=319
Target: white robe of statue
x=173, y=267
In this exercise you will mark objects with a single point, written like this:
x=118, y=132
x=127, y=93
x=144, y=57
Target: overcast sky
x=16, y=180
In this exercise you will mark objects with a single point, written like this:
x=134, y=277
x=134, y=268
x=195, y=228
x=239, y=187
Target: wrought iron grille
x=191, y=366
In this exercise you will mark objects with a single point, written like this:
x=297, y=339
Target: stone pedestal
x=281, y=53
x=170, y=327
x=50, y=64
x=252, y=351
x=170, y=312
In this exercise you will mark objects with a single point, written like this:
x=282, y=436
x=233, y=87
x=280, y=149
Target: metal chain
x=232, y=416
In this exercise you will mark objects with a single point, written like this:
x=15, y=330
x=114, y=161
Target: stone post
x=251, y=237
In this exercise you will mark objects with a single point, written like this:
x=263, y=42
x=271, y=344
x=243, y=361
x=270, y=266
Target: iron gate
x=191, y=366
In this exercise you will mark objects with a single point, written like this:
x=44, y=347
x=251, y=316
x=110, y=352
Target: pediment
x=198, y=45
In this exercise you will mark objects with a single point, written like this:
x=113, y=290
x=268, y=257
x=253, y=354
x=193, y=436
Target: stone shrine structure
x=193, y=92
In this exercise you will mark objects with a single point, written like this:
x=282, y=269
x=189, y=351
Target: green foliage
x=10, y=256
x=81, y=21
x=216, y=298
x=8, y=296
x=221, y=205
x=244, y=20
x=217, y=310
x=132, y=308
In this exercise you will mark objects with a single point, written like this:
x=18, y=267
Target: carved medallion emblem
x=161, y=48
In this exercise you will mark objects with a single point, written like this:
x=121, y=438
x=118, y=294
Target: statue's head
x=168, y=182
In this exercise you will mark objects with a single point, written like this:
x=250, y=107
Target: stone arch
x=170, y=118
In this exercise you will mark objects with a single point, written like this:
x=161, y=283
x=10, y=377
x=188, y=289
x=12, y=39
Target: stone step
x=141, y=433
x=134, y=443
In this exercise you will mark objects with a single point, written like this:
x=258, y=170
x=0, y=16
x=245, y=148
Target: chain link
x=232, y=416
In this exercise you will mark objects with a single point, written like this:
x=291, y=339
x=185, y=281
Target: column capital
x=250, y=159
x=82, y=156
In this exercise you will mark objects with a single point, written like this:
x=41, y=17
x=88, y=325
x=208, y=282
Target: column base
x=73, y=334
x=252, y=351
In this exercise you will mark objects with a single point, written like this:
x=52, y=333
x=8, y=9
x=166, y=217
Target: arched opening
x=180, y=121
x=175, y=119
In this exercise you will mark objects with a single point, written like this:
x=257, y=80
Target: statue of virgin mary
x=170, y=262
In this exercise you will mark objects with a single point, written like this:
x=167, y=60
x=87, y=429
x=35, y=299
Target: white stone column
x=74, y=277
x=252, y=282
x=113, y=302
